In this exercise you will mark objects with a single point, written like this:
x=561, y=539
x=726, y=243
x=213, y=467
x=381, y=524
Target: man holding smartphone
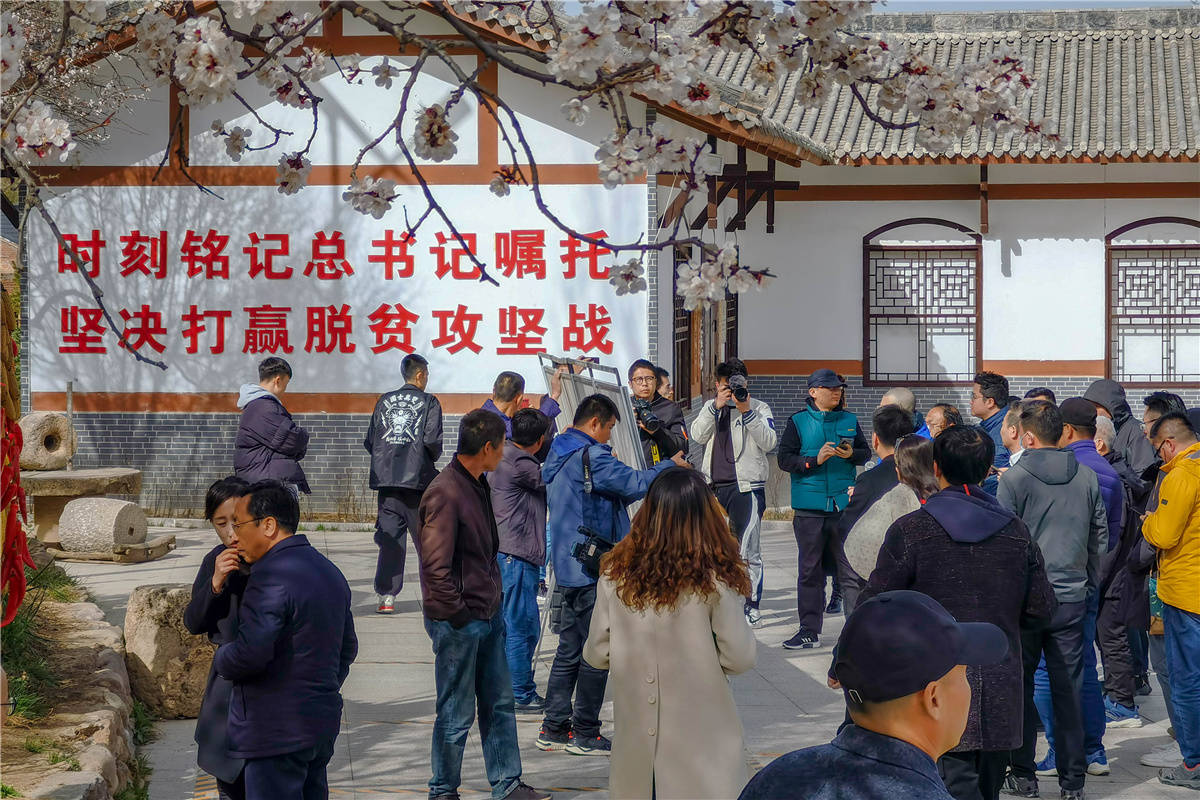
x=821, y=446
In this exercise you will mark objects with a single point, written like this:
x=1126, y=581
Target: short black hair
x=476, y=429
x=1043, y=420
x=733, y=366
x=964, y=454
x=1173, y=425
x=1041, y=393
x=270, y=367
x=411, y=365
x=598, y=406
x=890, y=423
x=221, y=490
x=663, y=375
x=950, y=413
x=273, y=499
x=529, y=425
x=993, y=386
x=642, y=363
x=507, y=386
x=1165, y=403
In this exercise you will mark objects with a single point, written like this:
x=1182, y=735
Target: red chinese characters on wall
x=457, y=329
x=145, y=254
x=196, y=323
x=88, y=251
x=205, y=255
x=266, y=330
x=521, y=331
x=82, y=330
x=588, y=330
x=262, y=261
x=328, y=257
x=143, y=327
x=392, y=327
x=329, y=329
x=393, y=255
x=458, y=265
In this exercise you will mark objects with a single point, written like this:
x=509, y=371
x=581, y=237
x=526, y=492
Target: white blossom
x=156, y=42
x=12, y=47
x=499, y=187
x=384, y=72
x=370, y=195
x=627, y=278
x=576, y=111
x=37, y=134
x=433, y=138
x=205, y=62
x=312, y=64
x=293, y=172
x=236, y=142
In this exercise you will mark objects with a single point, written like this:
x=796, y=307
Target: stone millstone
x=49, y=440
x=97, y=524
x=168, y=667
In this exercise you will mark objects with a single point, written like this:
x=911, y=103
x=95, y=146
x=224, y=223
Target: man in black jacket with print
x=404, y=440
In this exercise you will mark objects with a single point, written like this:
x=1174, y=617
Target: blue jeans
x=1092, y=698
x=520, y=610
x=1182, y=629
x=469, y=665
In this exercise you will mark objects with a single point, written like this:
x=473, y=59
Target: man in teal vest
x=821, y=446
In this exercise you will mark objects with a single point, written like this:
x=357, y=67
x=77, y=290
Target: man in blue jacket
x=293, y=650
x=989, y=400
x=269, y=444
x=591, y=496
x=821, y=445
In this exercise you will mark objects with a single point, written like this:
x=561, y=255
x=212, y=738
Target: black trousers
x=1113, y=637
x=570, y=675
x=816, y=537
x=295, y=776
x=974, y=774
x=395, y=518
x=232, y=791
x=1061, y=642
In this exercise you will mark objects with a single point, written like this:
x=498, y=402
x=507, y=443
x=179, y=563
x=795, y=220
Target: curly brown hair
x=680, y=542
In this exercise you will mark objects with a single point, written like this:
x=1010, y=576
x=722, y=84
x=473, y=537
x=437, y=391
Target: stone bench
x=51, y=490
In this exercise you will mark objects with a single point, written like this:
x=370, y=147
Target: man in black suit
x=293, y=650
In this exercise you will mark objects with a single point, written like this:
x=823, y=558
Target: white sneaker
x=754, y=617
x=387, y=604
x=1164, y=756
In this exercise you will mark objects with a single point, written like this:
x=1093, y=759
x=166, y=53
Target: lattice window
x=681, y=376
x=1154, y=316
x=921, y=314
x=731, y=326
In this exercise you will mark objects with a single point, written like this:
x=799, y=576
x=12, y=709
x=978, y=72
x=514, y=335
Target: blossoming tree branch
x=605, y=56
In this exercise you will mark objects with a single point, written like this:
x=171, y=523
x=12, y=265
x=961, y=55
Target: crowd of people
x=981, y=568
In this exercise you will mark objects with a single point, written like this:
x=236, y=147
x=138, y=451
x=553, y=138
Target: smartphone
x=847, y=441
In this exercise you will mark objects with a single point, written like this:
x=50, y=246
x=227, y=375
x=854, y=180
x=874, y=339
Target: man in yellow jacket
x=1173, y=526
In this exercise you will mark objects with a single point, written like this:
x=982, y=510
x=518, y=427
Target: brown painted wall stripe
x=854, y=367
x=218, y=402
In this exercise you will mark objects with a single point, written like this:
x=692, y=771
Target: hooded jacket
x=269, y=443
x=1112, y=490
x=404, y=439
x=1059, y=501
x=977, y=559
x=751, y=436
x=614, y=485
x=1174, y=528
x=519, y=500
x=1131, y=441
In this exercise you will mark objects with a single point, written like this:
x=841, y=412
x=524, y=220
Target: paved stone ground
x=383, y=750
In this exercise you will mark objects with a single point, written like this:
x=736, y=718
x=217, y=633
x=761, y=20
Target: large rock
x=96, y=524
x=49, y=440
x=168, y=667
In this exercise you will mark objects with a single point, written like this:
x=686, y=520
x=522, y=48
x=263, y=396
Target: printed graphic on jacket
x=403, y=418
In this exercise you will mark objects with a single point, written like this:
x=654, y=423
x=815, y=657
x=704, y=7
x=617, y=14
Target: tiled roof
x=1107, y=93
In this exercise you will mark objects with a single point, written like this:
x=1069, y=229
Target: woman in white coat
x=669, y=626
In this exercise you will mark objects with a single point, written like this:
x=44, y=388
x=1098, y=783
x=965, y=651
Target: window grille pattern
x=681, y=376
x=1154, y=317
x=922, y=313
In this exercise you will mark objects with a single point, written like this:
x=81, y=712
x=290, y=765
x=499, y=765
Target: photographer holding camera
x=660, y=421
x=587, y=491
x=737, y=432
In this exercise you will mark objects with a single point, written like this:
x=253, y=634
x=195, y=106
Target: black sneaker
x=543, y=589
x=595, y=746
x=523, y=791
x=535, y=706
x=1020, y=787
x=803, y=640
x=1071, y=794
x=550, y=741
x=835, y=605
x=1142, y=687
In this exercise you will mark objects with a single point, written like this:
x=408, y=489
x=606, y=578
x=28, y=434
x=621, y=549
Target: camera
x=589, y=552
x=740, y=387
x=646, y=417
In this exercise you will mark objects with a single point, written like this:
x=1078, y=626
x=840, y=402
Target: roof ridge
x=1032, y=20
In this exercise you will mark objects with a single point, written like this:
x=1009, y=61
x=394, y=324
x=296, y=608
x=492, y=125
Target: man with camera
x=737, y=432
x=660, y=422
x=587, y=491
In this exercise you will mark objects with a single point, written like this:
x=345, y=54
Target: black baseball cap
x=827, y=378
x=897, y=642
x=1077, y=411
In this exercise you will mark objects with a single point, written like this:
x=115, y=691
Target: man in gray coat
x=1059, y=500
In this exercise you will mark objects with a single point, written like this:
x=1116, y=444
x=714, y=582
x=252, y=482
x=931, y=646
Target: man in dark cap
x=1109, y=399
x=901, y=662
x=821, y=446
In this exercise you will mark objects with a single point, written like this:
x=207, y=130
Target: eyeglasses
x=237, y=525
x=644, y=379
x=1157, y=450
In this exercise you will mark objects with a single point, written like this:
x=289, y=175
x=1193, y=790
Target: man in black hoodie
x=1059, y=500
x=977, y=559
x=404, y=440
x=1109, y=398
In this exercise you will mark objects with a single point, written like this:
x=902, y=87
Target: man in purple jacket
x=508, y=397
x=269, y=443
